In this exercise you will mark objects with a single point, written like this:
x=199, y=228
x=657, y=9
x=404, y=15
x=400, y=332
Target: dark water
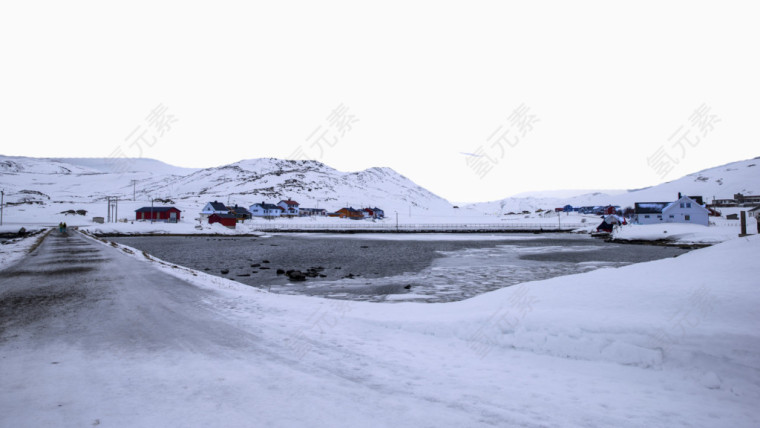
x=380, y=267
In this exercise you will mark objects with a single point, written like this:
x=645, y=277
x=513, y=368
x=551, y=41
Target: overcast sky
x=472, y=100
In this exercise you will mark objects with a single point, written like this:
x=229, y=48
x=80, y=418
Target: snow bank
x=15, y=249
x=672, y=342
x=680, y=233
x=667, y=312
x=162, y=228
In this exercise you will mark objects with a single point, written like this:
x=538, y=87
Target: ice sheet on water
x=456, y=276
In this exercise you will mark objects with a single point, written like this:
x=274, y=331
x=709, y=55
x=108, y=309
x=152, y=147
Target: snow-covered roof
x=240, y=211
x=218, y=206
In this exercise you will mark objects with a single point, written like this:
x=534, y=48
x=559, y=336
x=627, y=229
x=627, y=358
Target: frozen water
x=396, y=268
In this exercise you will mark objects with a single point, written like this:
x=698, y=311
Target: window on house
x=688, y=205
x=646, y=216
x=671, y=216
x=659, y=217
x=681, y=204
x=687, y=217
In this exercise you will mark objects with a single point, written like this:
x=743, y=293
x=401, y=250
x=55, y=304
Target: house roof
x=290, y=202
x=350, y=210
x=683, y=199
x=218, y=206
x=223, y=215
x=650, y=207
x=271, y=206
x=155, y=209
x=240, y=210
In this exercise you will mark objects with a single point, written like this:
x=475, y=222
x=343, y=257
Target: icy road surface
x=93, y=336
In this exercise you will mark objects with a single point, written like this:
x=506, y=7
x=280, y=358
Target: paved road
x=74, y=290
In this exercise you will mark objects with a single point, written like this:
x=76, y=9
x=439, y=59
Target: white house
x=754, y=212
x=264, y=209
x=290, y=208
x=215, y=207
x=684, y=210
x=311, y=212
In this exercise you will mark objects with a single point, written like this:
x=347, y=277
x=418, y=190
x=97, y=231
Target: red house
x=228, y=220
x=167, y=214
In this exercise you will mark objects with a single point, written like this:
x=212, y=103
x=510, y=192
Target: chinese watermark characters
x=321, y=320
x=506, y=318
x=689, y=315
x=155, y=125
x=508, y=134
x=327, y=135
x=699, y=125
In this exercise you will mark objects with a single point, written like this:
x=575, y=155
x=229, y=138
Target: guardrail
x=422, y=227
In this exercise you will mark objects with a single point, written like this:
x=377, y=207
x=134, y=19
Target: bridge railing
x=414, y=227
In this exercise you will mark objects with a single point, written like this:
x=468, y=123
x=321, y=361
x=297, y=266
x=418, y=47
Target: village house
x=754, y=212
x=241, y=213
x=266, y=210
x=164, y=214
x=289, y=207
x=228, y=220
x=349, y=213
x=380, y=213
x=373, y=213
x=739, y=200
x=684, y=210
x=312, y=212
x=215, y=207
x=747, y=200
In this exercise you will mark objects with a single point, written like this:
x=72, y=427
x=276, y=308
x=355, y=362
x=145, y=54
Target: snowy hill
x=718, y=182
x=311, y=183
x=43, y=187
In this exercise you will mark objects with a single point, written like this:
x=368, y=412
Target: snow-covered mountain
x=46, y=182
x=41, y=187
x=718, y=182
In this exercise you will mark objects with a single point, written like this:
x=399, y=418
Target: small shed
x=229, y=220
x=166, y=214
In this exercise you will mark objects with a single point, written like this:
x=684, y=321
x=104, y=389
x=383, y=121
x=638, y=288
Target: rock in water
x=296, y=275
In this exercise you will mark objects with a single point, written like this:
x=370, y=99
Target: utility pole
x=396, y=221
x=151, y=209
x=108, y=216
x=2, y=203
x=134, y=188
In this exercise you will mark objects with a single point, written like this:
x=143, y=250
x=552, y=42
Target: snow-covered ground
x=39, y=190
x=719, y=182
x=15, y=249
x=680, y=233
x=667, y=343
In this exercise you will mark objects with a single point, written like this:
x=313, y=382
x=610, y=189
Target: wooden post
x=744, y=223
